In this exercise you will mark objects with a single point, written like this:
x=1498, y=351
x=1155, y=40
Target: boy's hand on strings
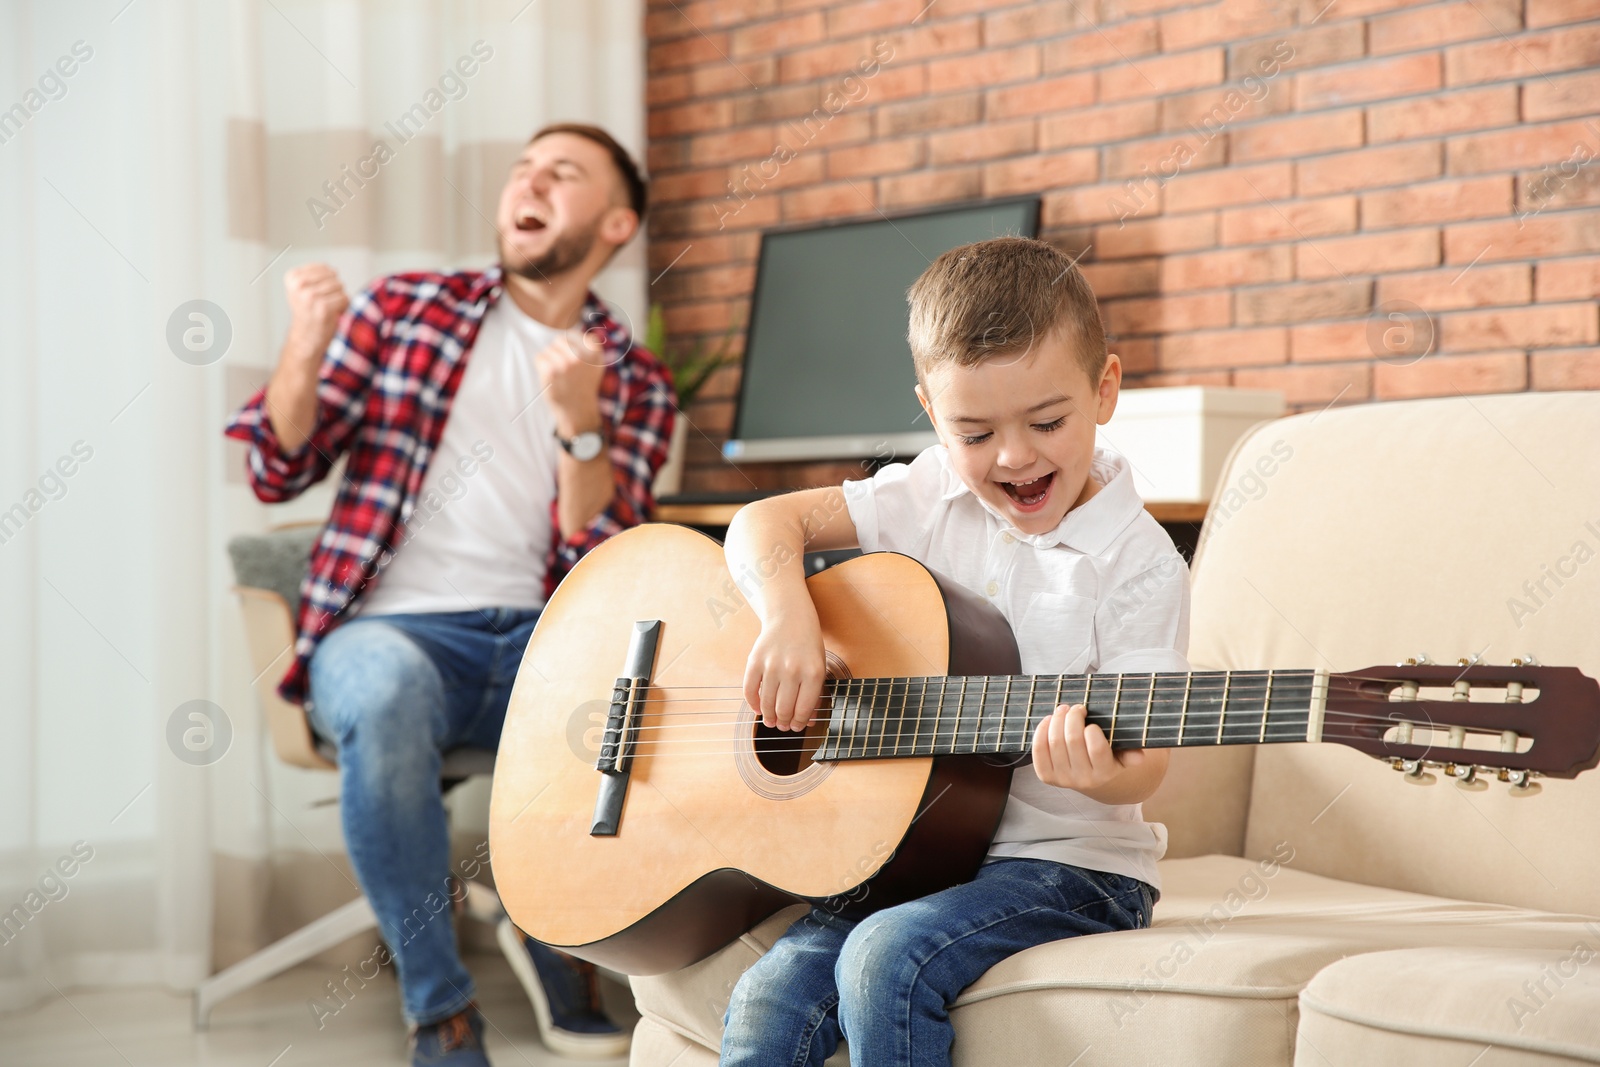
x=784, y=676
x=1070, y=752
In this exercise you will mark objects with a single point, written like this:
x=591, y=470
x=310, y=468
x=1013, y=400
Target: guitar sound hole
x=785, y=753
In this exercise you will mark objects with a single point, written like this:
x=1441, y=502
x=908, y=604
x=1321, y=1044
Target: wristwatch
x=584, y=446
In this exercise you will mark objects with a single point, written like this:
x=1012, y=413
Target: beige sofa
x=1318, y=909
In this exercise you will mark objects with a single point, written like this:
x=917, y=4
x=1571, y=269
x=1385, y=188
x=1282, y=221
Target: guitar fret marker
x=905, y=700
x=1116, y=704
x=880, y=724
x=1059, y=683
x=1183, y=715
x=1265, y=702
x=872, y=710
x=1000, y=735
x=1027, y=715
x=899, y=727
x=1222, y=710
x=938, y=713
x=1144, y=735
x=882, y=709
x=983, y=702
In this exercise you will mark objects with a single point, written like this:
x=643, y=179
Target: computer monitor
x=827, y=370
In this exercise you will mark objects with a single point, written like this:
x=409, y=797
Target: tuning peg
x=1466, y=776
x=1463, y=688
x=1514, y=689
x=1522, y=783
x=1470, y=661
x=1417, y=772
x=1408, y=687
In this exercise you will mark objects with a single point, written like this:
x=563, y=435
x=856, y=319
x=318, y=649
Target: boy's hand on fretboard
x=1072, y=753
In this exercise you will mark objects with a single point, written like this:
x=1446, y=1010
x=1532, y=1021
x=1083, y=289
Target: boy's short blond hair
x=1002, y=297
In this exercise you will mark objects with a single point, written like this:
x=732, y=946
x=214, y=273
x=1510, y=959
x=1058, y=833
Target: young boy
x=1017, y=504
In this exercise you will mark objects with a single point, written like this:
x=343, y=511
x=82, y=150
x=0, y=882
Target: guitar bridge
x=622, y=727
x=614, y=754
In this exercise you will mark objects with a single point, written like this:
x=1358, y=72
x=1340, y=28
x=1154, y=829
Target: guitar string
x=1482, y=757
x=960, y=707
x=1143, y=695
x=1284, y=731
x=1197, y=723
x=1148, y=730
x=1199, y=716
x=1152, y=735
x=1177, y=679
x=1140, y=692
x=1278, y=674
x=1199, y=728
x=989, y=744
x=1337, y=726
x=1466, y=674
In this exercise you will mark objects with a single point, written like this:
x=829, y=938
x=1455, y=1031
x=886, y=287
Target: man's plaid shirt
x=383, y=394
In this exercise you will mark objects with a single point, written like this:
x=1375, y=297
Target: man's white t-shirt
x=481, y=530
x=1105, y=591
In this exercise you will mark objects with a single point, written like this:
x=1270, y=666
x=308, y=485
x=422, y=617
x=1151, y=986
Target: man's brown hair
x=1004, y=296
x=633, y=182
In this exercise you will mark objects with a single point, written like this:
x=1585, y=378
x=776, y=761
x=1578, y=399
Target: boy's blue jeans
x=395, y=692
x=884, y=983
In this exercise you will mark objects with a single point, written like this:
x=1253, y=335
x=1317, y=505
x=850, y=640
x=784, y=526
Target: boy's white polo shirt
x=1105, y=591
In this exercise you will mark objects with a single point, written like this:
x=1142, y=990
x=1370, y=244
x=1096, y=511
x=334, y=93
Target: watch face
x=587, y=445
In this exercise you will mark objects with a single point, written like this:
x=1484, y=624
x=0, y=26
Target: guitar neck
x=874, y=718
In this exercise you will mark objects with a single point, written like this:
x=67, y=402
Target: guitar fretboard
x=874, y=718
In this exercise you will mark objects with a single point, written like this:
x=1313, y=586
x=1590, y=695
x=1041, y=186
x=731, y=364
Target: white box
x=1176, y=438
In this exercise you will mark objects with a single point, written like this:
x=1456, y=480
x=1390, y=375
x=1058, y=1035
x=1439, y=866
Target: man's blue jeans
x=396, y=692
x=884, y=983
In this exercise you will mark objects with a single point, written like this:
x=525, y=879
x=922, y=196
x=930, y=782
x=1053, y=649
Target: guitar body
x=725, y=822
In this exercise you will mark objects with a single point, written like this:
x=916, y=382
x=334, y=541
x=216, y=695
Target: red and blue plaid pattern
x=384, y=392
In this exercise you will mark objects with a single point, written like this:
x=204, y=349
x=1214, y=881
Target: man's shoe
x=455, y=1042
x=566, y=998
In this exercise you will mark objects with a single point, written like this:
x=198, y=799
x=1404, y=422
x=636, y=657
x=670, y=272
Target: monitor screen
x=827, y=370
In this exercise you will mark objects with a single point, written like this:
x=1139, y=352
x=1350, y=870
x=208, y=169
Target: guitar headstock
x=1516, y=722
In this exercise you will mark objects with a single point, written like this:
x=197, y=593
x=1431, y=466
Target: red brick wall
x=1292, y=194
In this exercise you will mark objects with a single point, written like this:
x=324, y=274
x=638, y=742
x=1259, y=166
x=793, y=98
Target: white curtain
x=154, y=153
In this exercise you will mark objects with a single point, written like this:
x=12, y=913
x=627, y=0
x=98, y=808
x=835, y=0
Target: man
x=498, y=425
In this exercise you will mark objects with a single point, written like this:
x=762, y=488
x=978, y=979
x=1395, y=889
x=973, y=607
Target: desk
x=722, y=514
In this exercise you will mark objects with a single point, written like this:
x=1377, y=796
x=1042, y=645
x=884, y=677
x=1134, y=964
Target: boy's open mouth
x=1030, y=494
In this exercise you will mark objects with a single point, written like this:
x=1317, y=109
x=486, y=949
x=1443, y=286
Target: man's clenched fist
x=570, y=370
x=316, y=300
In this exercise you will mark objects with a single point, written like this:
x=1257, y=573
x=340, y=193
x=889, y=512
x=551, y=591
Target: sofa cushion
x=691, y=1002
x=655, y=1043
x=1454, y=1006
x=1218, y=974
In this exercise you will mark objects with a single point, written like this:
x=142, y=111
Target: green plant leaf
x=691, y=366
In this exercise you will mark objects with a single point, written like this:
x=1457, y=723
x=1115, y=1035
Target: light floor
x=269, y=1026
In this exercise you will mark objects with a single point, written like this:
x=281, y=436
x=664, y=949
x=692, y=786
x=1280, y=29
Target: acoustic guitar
x=642, y=817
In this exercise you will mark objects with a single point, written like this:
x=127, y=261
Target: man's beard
x=564, y=253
